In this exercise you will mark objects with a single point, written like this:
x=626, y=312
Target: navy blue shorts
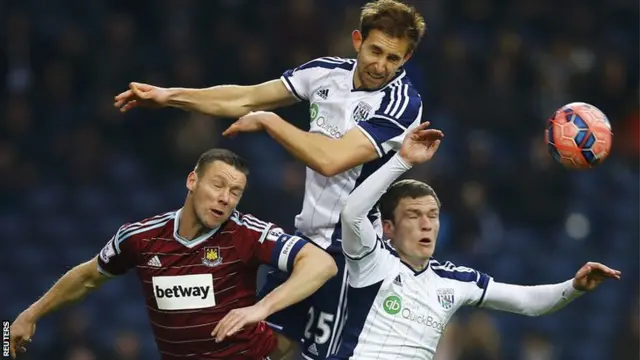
x=318, y=320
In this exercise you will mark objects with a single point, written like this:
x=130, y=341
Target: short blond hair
x=395, y=19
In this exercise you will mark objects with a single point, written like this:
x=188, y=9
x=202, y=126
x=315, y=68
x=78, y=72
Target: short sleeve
x=301, y=81
x=118, y=255
x=399, y=110
x=472, y=283
x=268, y=244
x=279, y=249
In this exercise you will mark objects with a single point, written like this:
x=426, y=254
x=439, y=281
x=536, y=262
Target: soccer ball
x=579, y=136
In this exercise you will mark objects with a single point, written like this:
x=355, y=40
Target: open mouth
x=217, y=212
x=375, y=77
x=425, y=241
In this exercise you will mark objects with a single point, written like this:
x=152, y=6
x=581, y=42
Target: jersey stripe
x=405, y=101
x=252, y=223
x=358, y=312
x=389, y=98
x=397, y=101
x=340, y=316
x=125, y=229
x=249, y=219
x=120, y=237
x=460, y=273
x=326, y=63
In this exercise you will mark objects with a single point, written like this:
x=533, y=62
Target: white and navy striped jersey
x=396, y=312
x=383, y=115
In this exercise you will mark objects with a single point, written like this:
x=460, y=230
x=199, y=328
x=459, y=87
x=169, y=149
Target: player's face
x=415, y=229
x=216, y=193
x=379, y=57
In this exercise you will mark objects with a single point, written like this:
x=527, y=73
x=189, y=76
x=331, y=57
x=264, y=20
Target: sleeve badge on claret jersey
x=274, y=234
x=108, y=251
x=211, y=256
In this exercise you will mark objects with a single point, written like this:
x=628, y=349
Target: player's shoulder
x=400, y=100
x=457, y=273
x=146, y=227
x=328, y=63
x=250, y=223
x=401, y=87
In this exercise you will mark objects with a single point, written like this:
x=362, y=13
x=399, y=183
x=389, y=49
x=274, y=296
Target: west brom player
x=198, y=268
x=360, y=110
x=400, y=298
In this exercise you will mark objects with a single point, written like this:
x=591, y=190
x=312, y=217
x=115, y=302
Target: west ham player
x=400, y=298
x=198, y=268
x=360, y=110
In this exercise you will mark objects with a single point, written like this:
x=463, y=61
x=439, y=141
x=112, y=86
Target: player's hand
x=420, y=144
x=21, y=332
x=252, y=122
x=236, y=319
x=140, y=94
x=592, y=274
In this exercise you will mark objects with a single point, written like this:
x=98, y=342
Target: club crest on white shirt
x=445, y=297
x=361, y=111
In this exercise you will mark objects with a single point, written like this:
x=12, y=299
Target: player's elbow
x=529, y=313
x=349, y=216
x=88, y=274
x=334, y=160
x=320, y=262
x=328, y=266
x=327, y=166
x=325, y=265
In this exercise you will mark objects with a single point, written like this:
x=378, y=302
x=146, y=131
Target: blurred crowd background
x=73, y=169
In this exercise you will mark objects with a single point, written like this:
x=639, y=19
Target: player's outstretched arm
x=312, y=267
x=358, y=235
x=546, y=299
x=325, y=155
x=231, y=101
x=72, y=286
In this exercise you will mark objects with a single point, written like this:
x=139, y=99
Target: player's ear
x=192, y=180
x=407, y=57
x=388, y=228
x=356, y=37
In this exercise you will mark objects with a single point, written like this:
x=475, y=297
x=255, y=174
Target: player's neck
x=417, y=264
x=357, y=84
x=189, y=227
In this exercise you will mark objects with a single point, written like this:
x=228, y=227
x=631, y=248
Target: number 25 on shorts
x=322, y=328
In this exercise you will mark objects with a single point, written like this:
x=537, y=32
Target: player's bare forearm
x=72, y=286
x=231, y=101
x=324, y=155
x=312, y=268
x=222, y=101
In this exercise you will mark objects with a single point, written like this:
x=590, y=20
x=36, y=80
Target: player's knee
x=287, y=349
